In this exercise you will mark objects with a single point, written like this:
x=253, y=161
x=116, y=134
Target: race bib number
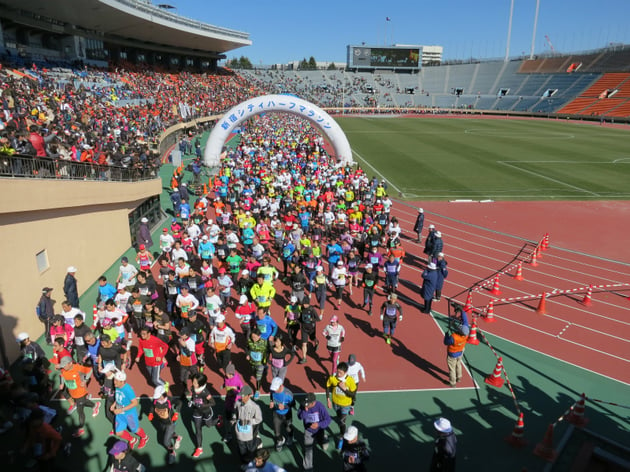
x=148, y=352
x=278, y=363
x=256, y=356
x=70, y=384
x=243, y=428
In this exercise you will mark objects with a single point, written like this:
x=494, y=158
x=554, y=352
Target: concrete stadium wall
x=83, y=223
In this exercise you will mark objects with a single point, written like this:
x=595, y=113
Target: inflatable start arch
x=276, y=103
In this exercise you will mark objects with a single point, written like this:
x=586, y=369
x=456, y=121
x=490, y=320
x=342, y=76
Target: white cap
x=209, y=222
x=204, y=238
x=242, y=300
x=293, y=299
x=109, y=368
x=245, y=272
x=420, y=210
x=431, y=266
x=319, y=268
x=220, y=318
x=120, y=376
x=440, y=254
x=21, y=337
x=71, y=269
x=144, y=220
x=438, y=234
x=443, y=425
x=431, y=226
x=120, y=286
x=158, y=392
x=351, y=433
x=368, y=266
x=276, y=383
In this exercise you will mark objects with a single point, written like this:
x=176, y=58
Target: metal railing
x=22, y=166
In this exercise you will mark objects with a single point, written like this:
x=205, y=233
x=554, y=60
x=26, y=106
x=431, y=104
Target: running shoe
x=388, y=340
x=178, y=443
x=220, y=421
x=197, y=452
x=143, y=442
x=72, y=408
x=96, y=409
x=133, y=443
x=78, y=433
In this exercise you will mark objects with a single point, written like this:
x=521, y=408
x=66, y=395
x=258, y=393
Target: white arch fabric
x=276, y=103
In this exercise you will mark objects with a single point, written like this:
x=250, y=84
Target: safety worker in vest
x=455, y=342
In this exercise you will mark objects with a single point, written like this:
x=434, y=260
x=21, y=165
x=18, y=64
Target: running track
x=595, y=337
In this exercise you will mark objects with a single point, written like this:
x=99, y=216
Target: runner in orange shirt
x=73, y=376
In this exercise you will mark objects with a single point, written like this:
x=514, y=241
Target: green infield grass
x=499, y=159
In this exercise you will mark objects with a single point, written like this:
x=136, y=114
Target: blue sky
x=283, y=31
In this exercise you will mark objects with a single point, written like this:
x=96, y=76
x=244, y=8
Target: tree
x=245, y=63
x=303, y=65
x=331, y=66
x=312, y=63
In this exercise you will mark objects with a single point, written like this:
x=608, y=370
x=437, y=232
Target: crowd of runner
x=280, y=240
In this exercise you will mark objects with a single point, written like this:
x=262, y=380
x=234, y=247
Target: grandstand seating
x=589, y=101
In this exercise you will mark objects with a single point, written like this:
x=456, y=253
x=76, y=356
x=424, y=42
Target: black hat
x=310, y=398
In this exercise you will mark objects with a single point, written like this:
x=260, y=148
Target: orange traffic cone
x=539, y=252
x=519, y=271
x=496, y=290
x=495, y=378
x=576, y=417
x=545, y=448
x=542, y=309
x=205, y=189
x=534, y=261
x=468, y=307
x=472, y=337
x=586, y=301
x=545, y=242
x=490, y=313
x=516, y=439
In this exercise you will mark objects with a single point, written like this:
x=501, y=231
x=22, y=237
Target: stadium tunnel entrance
x=279, y=104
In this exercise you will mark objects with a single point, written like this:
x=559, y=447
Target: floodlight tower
x=509, y=36
x=531, y=52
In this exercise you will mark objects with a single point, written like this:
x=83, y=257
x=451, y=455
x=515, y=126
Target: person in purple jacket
x=316, y=419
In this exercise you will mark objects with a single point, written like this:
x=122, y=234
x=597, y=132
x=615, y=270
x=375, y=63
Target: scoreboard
x=367, y=57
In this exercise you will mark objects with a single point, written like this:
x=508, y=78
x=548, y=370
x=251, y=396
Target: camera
x=457, y=307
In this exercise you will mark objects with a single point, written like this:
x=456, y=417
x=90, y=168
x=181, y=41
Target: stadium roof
x=136, y=20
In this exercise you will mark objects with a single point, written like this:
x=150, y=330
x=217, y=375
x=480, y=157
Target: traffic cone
x=544, y=449
x=495, y=378
x=545, y=242
x=534, y=261
x=542, y=309
x=472, y=337
x=586, y=301
x=205, y=189
x=495, y=288
x=490, y=313
x=516, y=439
x=519, y=271
x=539, y=252
x=576, y=417
x=468, y=307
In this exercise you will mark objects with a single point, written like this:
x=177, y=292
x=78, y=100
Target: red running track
x=477, y=245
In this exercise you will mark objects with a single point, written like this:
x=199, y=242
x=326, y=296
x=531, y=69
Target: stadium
x=115, y=112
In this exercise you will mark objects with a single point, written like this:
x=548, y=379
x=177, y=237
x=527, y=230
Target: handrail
x=23, y=166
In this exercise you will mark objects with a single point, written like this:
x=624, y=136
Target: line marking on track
x=376, y=171
x=537, y=174
x=562, y=332
x=494, y=231
x=556, y=358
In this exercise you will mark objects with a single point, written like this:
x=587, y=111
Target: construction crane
x=549, y=43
